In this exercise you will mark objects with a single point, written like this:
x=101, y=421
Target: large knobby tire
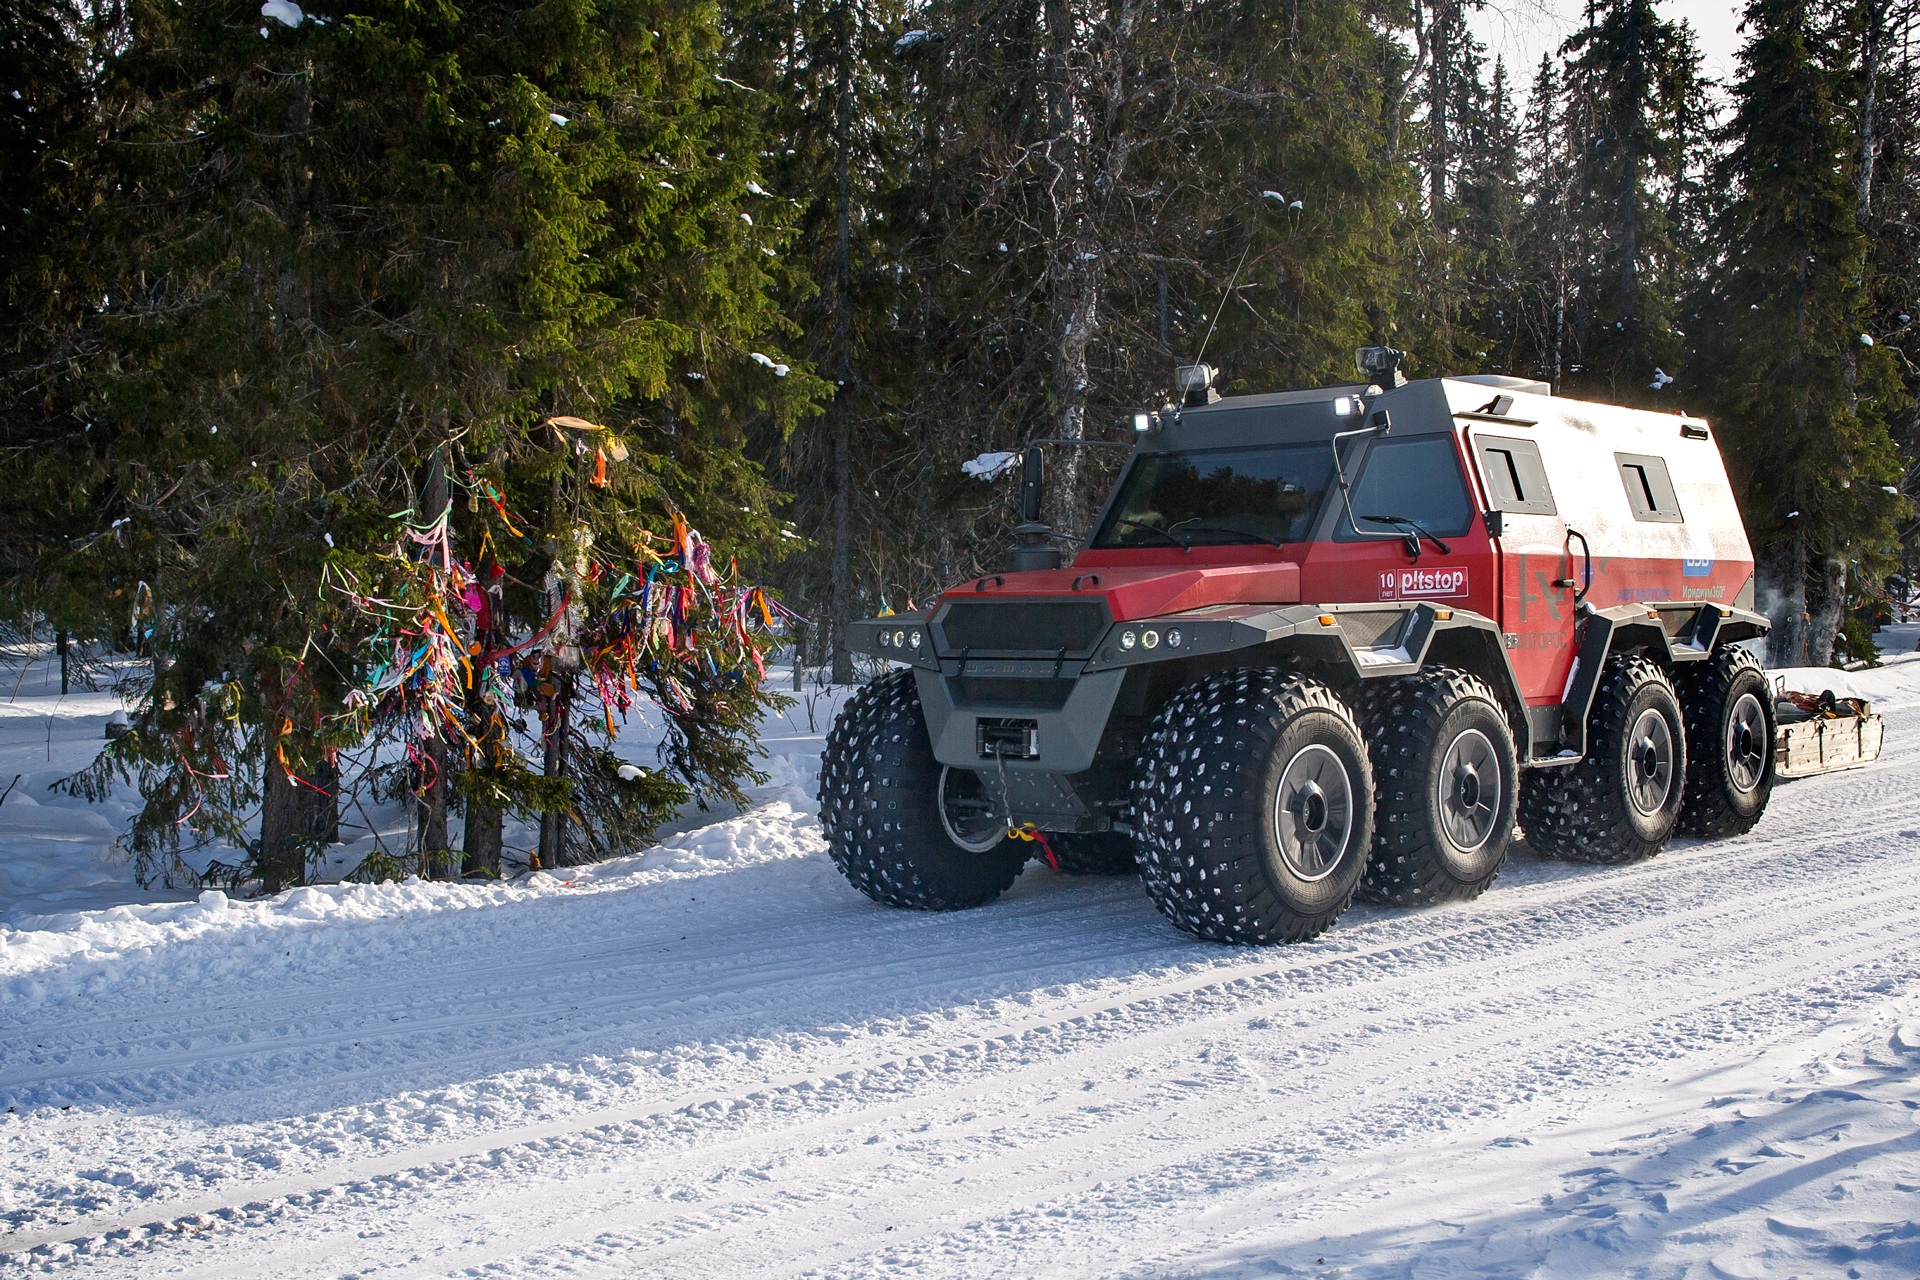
x=880, y=791
x=1445, y=787
x=1622, y=802
x=1253, y=807
x=1730, y=725
x=1102, y=853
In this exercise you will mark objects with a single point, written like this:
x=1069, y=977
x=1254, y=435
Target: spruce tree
x=354, y=256
x=831, y=74
x=1634, y=96
x=1800, y=395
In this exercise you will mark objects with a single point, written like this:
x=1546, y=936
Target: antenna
x=1227, y=293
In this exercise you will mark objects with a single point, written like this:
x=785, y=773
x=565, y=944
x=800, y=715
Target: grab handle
x=1586, y=555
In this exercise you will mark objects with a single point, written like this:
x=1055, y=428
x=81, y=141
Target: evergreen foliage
x=1802, y=390
x=347, y=254
x=1634, y=118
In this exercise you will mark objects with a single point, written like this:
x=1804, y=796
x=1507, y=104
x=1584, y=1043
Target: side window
x=1418, y=479
x=1516, y=480
x=1649, y=488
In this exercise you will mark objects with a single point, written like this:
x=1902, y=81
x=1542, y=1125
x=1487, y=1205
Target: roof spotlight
x=1194, y=382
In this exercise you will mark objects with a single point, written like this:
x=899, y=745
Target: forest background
x=293, y=295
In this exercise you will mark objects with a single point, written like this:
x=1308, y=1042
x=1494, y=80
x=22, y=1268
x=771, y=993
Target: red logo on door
x=1422, y=584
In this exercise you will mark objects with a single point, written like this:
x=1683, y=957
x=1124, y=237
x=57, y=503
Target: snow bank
x=31, y=946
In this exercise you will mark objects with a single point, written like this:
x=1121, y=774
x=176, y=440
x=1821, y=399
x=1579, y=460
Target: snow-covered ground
x=716, y=1058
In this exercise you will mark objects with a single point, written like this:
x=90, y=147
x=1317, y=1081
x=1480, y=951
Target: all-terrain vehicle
x=1321, y=643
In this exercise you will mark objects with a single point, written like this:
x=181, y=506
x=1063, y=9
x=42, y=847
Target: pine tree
x=832, y=74
x=1547, y=249
x=1486, y=220
x=48, y=168
x=1884, y=39
x=354, y=262
x=1634, y=92
x=1801, y=397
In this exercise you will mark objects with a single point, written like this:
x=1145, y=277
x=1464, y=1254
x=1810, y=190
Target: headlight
x=885, y=639
x=913, y=639
x=899, y=639
x=1128, y=640
x=1173, y=638
x=1150, y=640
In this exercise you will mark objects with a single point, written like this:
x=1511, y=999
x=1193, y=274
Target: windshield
x=1215, y=497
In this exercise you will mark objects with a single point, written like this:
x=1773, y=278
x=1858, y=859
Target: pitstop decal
x=1422, y=584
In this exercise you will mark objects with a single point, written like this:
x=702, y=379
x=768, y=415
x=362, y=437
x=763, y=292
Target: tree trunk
x=1439, y=80
x=435, y=860
x=1873, y=38
x=1396, y=108
x=1825, y=624
x=1787, y=605
x=279, y=860
x=553, y=825
x=841, y=586
x=1160, y=283
x=840, y=358
x=319, y=804
x=1075, y=267
x=481, y=842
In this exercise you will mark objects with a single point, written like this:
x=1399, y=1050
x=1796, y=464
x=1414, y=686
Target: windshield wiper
x=1199, y=522
x=1168, y=534
x=1419, y=531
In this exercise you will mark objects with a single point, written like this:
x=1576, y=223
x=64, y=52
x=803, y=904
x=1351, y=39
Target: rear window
x=1218, y=497
x=1415, y=479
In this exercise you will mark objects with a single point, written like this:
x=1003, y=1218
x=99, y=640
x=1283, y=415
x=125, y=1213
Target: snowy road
x=717, y=1059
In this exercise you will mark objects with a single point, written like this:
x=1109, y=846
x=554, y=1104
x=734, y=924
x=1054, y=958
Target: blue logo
x=1696, y=568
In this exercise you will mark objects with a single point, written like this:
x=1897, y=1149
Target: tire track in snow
x=1363, y=1069
x=1013, y=945
x=742, y=1217
x=956, y=961
x=1334, y=984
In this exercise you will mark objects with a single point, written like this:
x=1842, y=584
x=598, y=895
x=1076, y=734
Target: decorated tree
x=357, y=260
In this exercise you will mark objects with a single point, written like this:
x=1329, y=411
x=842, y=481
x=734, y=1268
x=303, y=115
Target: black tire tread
x=1402, y=718
x=878, y=779
x=1703, y=689
x=1101, y=853
x=1573, y=812
x=1195, y=823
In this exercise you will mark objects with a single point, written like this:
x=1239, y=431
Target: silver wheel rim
x=1313, y=812
x=1746, y=743
x=1650, y=762
x=1470, y=790
x=970, y=820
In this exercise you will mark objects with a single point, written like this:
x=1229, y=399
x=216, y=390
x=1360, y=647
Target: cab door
x=1416, y=478
x=1537, y=565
